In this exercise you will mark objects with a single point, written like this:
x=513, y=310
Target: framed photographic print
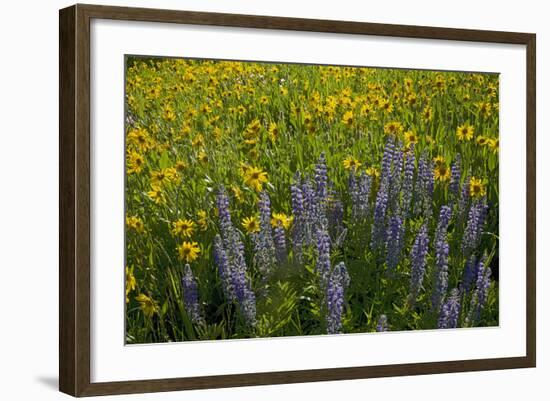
x=250, y=200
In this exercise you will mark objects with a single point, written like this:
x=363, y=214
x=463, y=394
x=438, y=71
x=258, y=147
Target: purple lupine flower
x=408, y=181
x=323, y=255
x=321, y=180
x=299, y=218
x=445, y=215
x=419, y=187
x=191, y=296
x=382, y=324
x=428, y=180
x=450, y=311
x=365, y=184
x=396, y=179
x=470, y=273
x=481, y=292
x=387, y=160
x=280, y=243
x=441, y=274
x=222, y=202
x=474, y=227
x=264, y=245
x=229, y=256
x=310, y=212
x=394, y=242
x=419, y=252
x=353, y=190
x=483, y=283
x=336, y=286
x=248, y=306
x=441, y=258
x=264, y=204
x=454, y=185
x=378, y=237
x=484, y=286
x=221, y=260
x=424, y=188
x=359, y=190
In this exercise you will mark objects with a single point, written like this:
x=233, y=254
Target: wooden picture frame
x=74, y=199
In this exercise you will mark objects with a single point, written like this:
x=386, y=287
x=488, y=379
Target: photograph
x=274, y=199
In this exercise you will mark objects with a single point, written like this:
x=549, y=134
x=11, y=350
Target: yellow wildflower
x=477, y=189
x=130, y=281
x=188, y=251
x=273, y=132
x=255, y=178
x=202, y=220
x=281, y=219
x=135, y=223
x=251, y=224
x=156, y=194
x=465, y=132
x=161, y=177
x=139, y=139
x=393, y=128
x=347, y=118
x=147, y=305
x=442, y=172
x=427, y=113
x=439, y=160
x=351, y=163
x=410, y=138
x=135, y=162
x=198, y=141
x=373, y=172
x=183, y=227
x=203, y=157
x=493, y=144
x=481, y=140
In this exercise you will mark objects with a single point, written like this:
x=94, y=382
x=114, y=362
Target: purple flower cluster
x=404, y=199
x=424, y=187
x=418, y=263
x=230, y=259
x=474, y=226
x=265, y=254
x=450, y=311
x=335, y=214
x=481, y=292
x=441, y=258
x=299, y=214
x=359, y=189
x=470, y=272
x=454, y=185
x=394, y=242
x=337, y=283
x=280, y=243
x=191, y=296
x=408, y=182
x=396, y=179
x=310, y=202
x=323, y=255
x=378, y=237
x=382, y=324
x=321, y=181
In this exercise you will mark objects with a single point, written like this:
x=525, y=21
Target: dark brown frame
x=74, y=199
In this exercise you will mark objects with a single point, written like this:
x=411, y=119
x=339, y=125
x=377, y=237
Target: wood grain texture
x=531, y=201
x=67, y=130
x=74, y=199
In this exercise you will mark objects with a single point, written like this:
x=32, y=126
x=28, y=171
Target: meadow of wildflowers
x=268, y=200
